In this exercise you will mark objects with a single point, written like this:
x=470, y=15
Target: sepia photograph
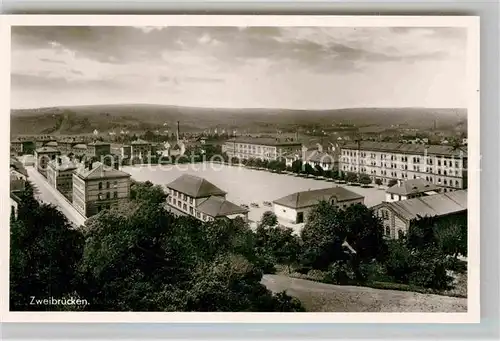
x=264, y=167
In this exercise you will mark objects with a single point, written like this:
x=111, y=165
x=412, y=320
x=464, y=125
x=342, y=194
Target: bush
x=340, y=272
x=392, y=182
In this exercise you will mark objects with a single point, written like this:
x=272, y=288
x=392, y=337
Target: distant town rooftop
x=99, y=143
x=139, y=141
x=311, y=198
x=407, y=148
x=413, y=186
x=265, y=141
x=46, y=150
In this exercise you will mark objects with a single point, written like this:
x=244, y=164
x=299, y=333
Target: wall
x=285, y=213
x=97, y=198
x=78, y=199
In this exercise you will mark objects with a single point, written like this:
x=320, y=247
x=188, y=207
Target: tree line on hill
x=139, y=257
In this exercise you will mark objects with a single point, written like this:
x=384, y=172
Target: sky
x=239, y=67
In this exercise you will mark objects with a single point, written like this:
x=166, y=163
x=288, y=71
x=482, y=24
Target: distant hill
x=140, y=117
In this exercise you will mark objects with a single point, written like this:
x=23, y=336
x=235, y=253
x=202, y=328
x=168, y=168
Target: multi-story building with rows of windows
x=97, y=187
x=260, y=148
x=60, y=175
x=442, y=165
x=197, y=197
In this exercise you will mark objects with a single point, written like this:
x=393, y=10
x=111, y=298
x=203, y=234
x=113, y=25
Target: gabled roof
x=311, y=198
x=47, y=150
x=139, y=141
x=195, y=187
x=430, y=206
x=219, y=207
x=100, y=171
x=412, y=187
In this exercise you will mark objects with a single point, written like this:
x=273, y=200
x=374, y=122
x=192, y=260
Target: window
x=444, y=172
x=99, y=196
x=115, y=184
x=445, y=182
x=175, y=201
x=392, y=196
x=107, y=184
x=184, y=197
x=439, y=162
x=387, y=231
x=190, y=200
x=191, y=210
x=184, y=207
x=107, y=195
x=457, y=183
x=115, y=195
x=100, y=185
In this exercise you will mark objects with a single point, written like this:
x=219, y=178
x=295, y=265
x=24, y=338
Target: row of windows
x=108, y=185
x=449, y=172
x=181, y=196
x=394, y=165
x=184, y=207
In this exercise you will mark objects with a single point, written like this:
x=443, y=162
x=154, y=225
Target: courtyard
x=246, y=186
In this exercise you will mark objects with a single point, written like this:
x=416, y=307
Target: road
x=46, y=193
x=322, y=297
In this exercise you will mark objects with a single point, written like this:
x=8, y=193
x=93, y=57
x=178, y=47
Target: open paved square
x=245, y=186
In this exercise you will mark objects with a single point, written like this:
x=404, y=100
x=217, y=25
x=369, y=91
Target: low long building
x=260, y=148
x=397, y=216
x=295, y=208
x=97, y=187
x=199, y=198
x=444, y=166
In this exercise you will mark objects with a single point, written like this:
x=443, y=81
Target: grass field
x=243, y=185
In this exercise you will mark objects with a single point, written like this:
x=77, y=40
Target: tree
x=280, y=243
x=44, y=252
x=451, y=235
x=269, y=219
x=351, y=177
x=297, y=166
x=308, y=169
x=378, y=182
x=392, y=182
x=147, y=192
x=141, y=258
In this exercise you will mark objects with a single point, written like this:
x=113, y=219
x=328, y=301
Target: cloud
x=239, y=66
